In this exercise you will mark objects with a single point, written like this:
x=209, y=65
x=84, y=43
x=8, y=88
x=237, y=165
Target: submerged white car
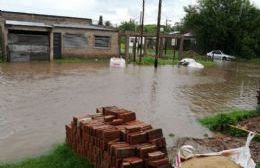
x=217, y=54
x=191, y=63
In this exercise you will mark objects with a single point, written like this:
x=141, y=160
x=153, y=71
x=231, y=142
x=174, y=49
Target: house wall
x=47, y=19
x=90, y=50
x=1, y=38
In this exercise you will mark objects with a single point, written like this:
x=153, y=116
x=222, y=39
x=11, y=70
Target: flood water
x=38, y=99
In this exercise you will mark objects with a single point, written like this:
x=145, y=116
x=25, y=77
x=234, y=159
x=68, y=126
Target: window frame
x=75, y=34
x=102, y=47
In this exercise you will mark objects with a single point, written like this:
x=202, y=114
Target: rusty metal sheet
x=26, y=47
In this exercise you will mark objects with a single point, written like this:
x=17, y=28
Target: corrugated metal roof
x=93, y=27
x=38, y=14
x=38, y=24
x=23, y=23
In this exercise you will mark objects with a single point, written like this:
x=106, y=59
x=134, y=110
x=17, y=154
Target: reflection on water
x=38, y=99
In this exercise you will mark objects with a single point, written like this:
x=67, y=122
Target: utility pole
x=158, y=34
x=142, y=33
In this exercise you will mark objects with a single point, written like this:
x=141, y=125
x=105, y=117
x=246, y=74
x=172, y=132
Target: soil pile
x=252, y=124
x=215, y=144
x=210, y=162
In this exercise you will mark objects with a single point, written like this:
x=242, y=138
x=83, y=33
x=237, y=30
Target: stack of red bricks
x=114, y=138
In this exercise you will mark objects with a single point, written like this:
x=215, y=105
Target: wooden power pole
x=158, y=34
x=142, y=33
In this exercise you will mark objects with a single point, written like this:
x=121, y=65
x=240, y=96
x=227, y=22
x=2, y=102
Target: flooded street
x=38, y=99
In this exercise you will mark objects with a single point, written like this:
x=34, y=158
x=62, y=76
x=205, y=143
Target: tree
x=108, y=24
x=100, y=21
x=150, y=28
x=229, y=25
x=130, y=25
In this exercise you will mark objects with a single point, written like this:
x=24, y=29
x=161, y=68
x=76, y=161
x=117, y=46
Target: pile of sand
x=210, y=162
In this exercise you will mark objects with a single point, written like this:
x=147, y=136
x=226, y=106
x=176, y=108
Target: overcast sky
x=114, y=10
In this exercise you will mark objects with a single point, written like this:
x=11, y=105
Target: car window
x=217, y=52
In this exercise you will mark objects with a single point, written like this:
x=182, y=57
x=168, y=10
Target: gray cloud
x=114, y=10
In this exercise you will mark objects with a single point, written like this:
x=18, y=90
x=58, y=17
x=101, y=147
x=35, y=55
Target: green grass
x=169, y=59
x=215, y=122
x=206, y=63
x=255, y=61
x=2, y=61
x=71, y=60
x=221, y=122
x=148, y=60
x=60, y=157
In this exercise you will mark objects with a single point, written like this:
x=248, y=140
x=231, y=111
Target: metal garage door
x=28, y=46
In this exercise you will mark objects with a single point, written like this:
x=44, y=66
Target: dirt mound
x=210, y=162
x=252, y=124
x=215, y=144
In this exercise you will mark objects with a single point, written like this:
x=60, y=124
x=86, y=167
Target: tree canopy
x=229, y=25
x=100, y=21
x=130, y=25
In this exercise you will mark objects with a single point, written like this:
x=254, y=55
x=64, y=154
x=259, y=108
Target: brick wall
x=90, y=50
x=1, y=38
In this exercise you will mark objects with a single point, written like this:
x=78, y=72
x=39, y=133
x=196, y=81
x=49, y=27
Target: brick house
x=28, y=37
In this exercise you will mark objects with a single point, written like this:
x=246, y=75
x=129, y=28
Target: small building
x=28, y=37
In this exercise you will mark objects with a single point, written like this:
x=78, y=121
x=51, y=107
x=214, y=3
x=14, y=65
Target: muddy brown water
x=38, y=99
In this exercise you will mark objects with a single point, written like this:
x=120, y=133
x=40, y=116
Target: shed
x=36, y=37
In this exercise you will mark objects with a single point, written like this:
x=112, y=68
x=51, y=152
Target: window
x=75, y=40
x=102, y=41
x=216, y=52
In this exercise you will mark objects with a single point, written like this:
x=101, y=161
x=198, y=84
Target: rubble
x=214, y=144
x=114, y=138
x=252, y=124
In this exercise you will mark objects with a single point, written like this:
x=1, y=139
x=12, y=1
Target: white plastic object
x=187, y=151
x=117, y=62
x=191, y=63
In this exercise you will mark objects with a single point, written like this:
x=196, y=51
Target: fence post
x=258, y=99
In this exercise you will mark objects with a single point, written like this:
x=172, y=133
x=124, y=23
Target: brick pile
x=114, y=138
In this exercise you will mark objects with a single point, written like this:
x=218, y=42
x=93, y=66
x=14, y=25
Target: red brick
x=109, y=118
x=117, y=122
x=99, y=141
x=124, y=152
x=135, y=162
x=99, y=110
x=159, y=163
x=154, y=134
x=144, y=150
x=132, y=129
x=128, y=116
x=126, y=165
x=137, y=138
x=156, y=155
x=160, y=142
